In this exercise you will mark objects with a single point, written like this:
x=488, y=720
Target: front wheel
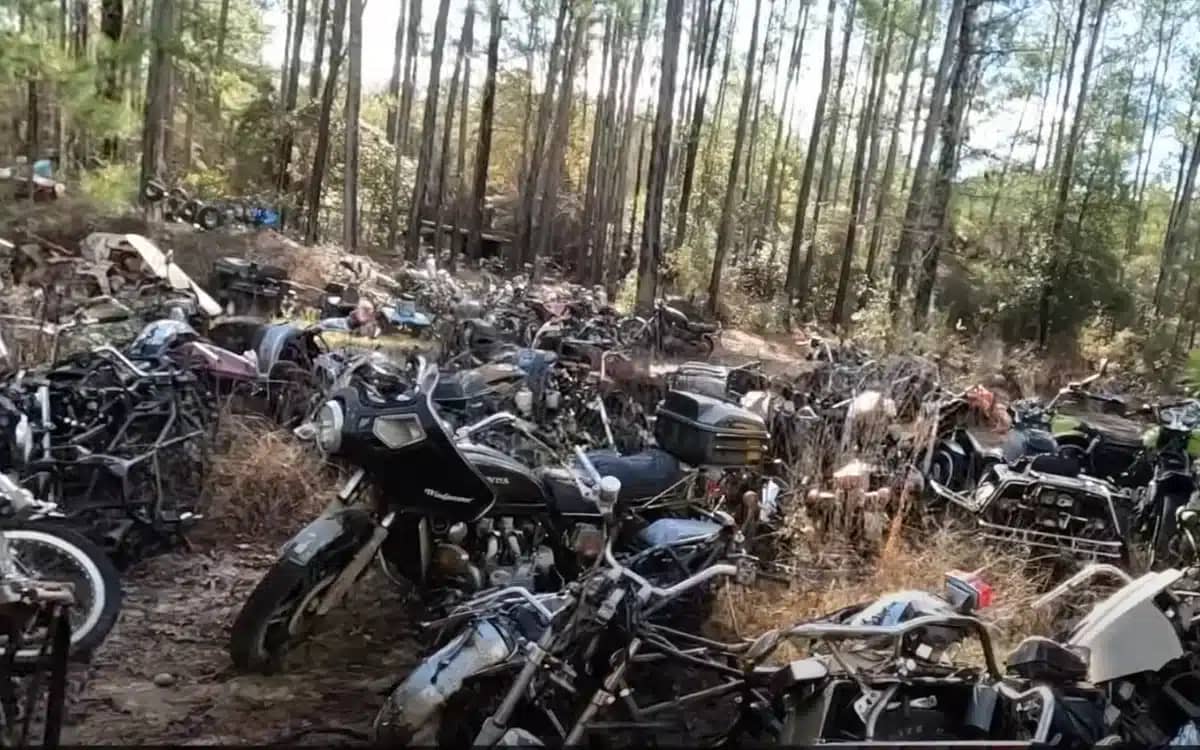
x=1166, y=546
x=280, y=612
x=51, y=553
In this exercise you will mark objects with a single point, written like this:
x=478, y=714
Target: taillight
x=968, y=591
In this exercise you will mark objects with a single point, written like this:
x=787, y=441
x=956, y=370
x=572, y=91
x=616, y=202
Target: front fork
x=341, y=585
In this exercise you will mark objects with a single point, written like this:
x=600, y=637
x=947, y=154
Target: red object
x=983, y=590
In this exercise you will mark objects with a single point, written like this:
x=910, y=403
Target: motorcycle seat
x=1050, y=463
x=643, y=476
x=1039, y=658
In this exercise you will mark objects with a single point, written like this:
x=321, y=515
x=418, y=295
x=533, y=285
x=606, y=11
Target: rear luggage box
x=705, y=431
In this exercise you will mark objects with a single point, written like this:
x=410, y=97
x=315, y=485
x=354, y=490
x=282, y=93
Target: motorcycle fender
x=347, y=527
x=953, y=447
x=413, y=708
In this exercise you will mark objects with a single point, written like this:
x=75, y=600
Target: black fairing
x=515, y=485
x=430, y=477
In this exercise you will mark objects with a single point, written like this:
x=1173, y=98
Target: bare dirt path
x=164, y=676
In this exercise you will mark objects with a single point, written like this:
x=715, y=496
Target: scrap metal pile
x=564, y=513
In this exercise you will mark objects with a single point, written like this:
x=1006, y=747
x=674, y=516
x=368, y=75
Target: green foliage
x=112, y=188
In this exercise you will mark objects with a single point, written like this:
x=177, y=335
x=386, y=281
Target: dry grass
x=263, y=481
x=747, y=612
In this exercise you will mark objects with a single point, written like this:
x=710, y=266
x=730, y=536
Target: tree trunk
x=483, y=151
x=965, y=68
x=752, y=139
x=1037, y=141
x=287, y=50
x=551, y=176
x=447, y=133
x=692, y=145
x=1069, y=80
x=798, y=274
x=595, y=170
x=1135, y=224
x=1067, y=175
x=526, y=208
x=408, y=87
x=314, y=78
x=918, y=105
x=393, y=92
x=864, y=166
x=158, y=100
x=189, y=126
x=725, y=223
x=914, y=214
x=321, y=153
x=350, y=229
x=628, y=123
x=855, y=109
x=770, y=209
x=889, y=165
x=290, y=95
x=428, y=131
x=112, y=19
x=460, y=154
x=834, y=119
x=650, y=256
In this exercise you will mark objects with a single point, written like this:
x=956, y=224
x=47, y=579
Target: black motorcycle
x=1171, y=446
x=669, y=330
x=444, y=513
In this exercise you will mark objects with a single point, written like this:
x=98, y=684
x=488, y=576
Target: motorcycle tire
x=95, y=578
x=209, y=218
x=154, y=191
x=189, y=210
x=267, y=623
x=1164, y=546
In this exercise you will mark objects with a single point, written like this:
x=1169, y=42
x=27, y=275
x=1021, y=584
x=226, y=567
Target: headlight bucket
x=329, y=423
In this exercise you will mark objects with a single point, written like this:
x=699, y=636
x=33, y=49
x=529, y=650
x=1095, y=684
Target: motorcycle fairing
x=271, y=345
x=347, y=527
x=413, y=707
x=1128, y=633
x=429, y=477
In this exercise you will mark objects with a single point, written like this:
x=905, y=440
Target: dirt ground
x=164, y=677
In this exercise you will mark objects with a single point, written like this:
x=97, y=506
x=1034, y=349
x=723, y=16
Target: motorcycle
x=667, y=330
x=1105, y=437
x=485, y=689
x=449, y=516
x=1172, y=445
x=1045, y=502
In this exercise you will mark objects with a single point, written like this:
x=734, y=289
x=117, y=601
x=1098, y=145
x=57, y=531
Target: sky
x=991, y=132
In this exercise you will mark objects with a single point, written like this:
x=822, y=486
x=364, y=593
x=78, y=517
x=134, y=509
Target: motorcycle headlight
x=329, y=423
x=398, y=431
x=1065, y=500
x=23, y=437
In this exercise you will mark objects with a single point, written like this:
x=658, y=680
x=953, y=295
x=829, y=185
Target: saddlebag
x=705, y=431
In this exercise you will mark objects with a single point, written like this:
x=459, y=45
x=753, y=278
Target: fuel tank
x=517, y=488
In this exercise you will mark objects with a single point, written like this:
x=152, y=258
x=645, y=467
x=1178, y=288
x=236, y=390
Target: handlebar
x=835, y=631
x=647, y=590
x=1086, y=574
